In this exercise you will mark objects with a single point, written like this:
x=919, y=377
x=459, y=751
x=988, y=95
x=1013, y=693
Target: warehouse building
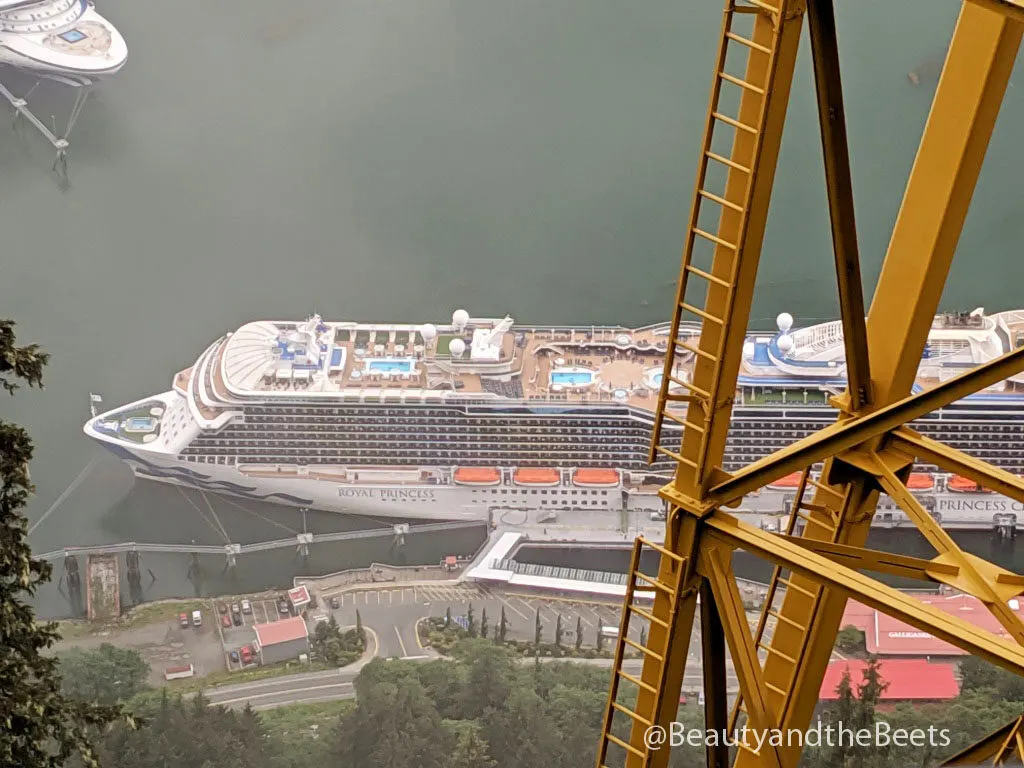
x=281, y=640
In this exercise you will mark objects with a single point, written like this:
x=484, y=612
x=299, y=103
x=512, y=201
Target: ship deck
x=582, y=365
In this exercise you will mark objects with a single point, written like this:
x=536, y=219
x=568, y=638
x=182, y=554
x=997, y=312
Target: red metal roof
x=299, y=596
x=886, y=636
x=283, y=631
x=908, y=679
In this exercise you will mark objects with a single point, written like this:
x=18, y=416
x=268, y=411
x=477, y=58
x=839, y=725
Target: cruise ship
x=480, y=418
x=63, y=40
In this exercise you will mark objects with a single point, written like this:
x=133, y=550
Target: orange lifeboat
x=920, y=481
x=959, y=484
x=595, y=477
x=532, y=476
x=477, y=476
x=790, y=481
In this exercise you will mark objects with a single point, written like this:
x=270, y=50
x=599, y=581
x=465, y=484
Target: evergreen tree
x=579, y=632
x=394, y=724
x=503, y=627
x=105, y=675
x=536, y=630
x=558, y=631
x=483, y=623
x=359, y=627
x=470, y=621
x=600, y=639
x=448, y=617
x=39, y=724
x=470, y=752
x=643, y=636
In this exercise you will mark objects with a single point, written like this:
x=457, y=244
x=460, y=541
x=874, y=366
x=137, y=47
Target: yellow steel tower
x=821, y=561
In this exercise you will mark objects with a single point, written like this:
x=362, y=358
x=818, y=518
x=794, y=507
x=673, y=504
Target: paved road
x=302, y=688
x=308, y=687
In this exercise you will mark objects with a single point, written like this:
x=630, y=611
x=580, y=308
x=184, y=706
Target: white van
x=197, y=619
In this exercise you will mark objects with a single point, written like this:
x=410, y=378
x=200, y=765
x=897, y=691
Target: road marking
x=582, y=601
x=399, y=636
x=224, y=702
x=416, y=631
x=376, y=641
x=391, y=597
x=506, y=603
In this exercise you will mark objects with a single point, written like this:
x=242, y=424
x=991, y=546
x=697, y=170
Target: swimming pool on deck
x=572, y=377
x=140, y=424
x=389, y=366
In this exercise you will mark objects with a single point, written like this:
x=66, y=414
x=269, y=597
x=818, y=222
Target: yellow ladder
x=801, y=511
x=629, y=610
x=731, y=204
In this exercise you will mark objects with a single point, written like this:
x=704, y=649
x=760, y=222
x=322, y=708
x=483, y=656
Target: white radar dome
x=785, y=344
x=785, y=322
x=456, y=347
x=460, y=317
x=429, y=332
x=748, y=350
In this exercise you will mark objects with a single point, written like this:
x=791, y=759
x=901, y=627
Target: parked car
x=246, y=654
x=334, y=602
x=236, y=618
x=197, y=619
x=282, y=606
x=246, y=607
x=183, y=620
x=235, y=609
x=225, y=621
x=222, y=608
x=233, y=656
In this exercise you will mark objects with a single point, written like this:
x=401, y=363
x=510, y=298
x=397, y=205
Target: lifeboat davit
x=533, y=476
x=920, y=481
x=589, y=477
x=959, y=484
x=477, y=476
x=789, y=482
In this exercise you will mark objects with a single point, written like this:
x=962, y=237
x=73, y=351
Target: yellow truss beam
x=726, y=529
x=850, y=433
x=821, y=24
x=931, y=451
x=1011, y=9
x=868, y=449
x=1002, y=747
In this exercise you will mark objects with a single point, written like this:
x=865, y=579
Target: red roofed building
x=299, y=598
x=913, y=680
x=281, y=640
x=885, y=636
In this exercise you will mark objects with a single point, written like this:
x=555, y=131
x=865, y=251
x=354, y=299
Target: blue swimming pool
x=571, y=378
x=390, y=366
x=141, y=423
x=656, y=378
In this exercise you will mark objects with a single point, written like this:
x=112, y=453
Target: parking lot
x=263, y=610
x=392, y=612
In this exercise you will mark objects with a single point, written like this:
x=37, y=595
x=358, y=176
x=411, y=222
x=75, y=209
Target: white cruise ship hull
x=506, y=503
x=485, y=420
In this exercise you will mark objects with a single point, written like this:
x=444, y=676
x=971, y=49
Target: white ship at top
x=64, y=40
x=482, y=418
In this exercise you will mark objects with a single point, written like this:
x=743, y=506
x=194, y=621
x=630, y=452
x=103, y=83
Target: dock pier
x=102, y=587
